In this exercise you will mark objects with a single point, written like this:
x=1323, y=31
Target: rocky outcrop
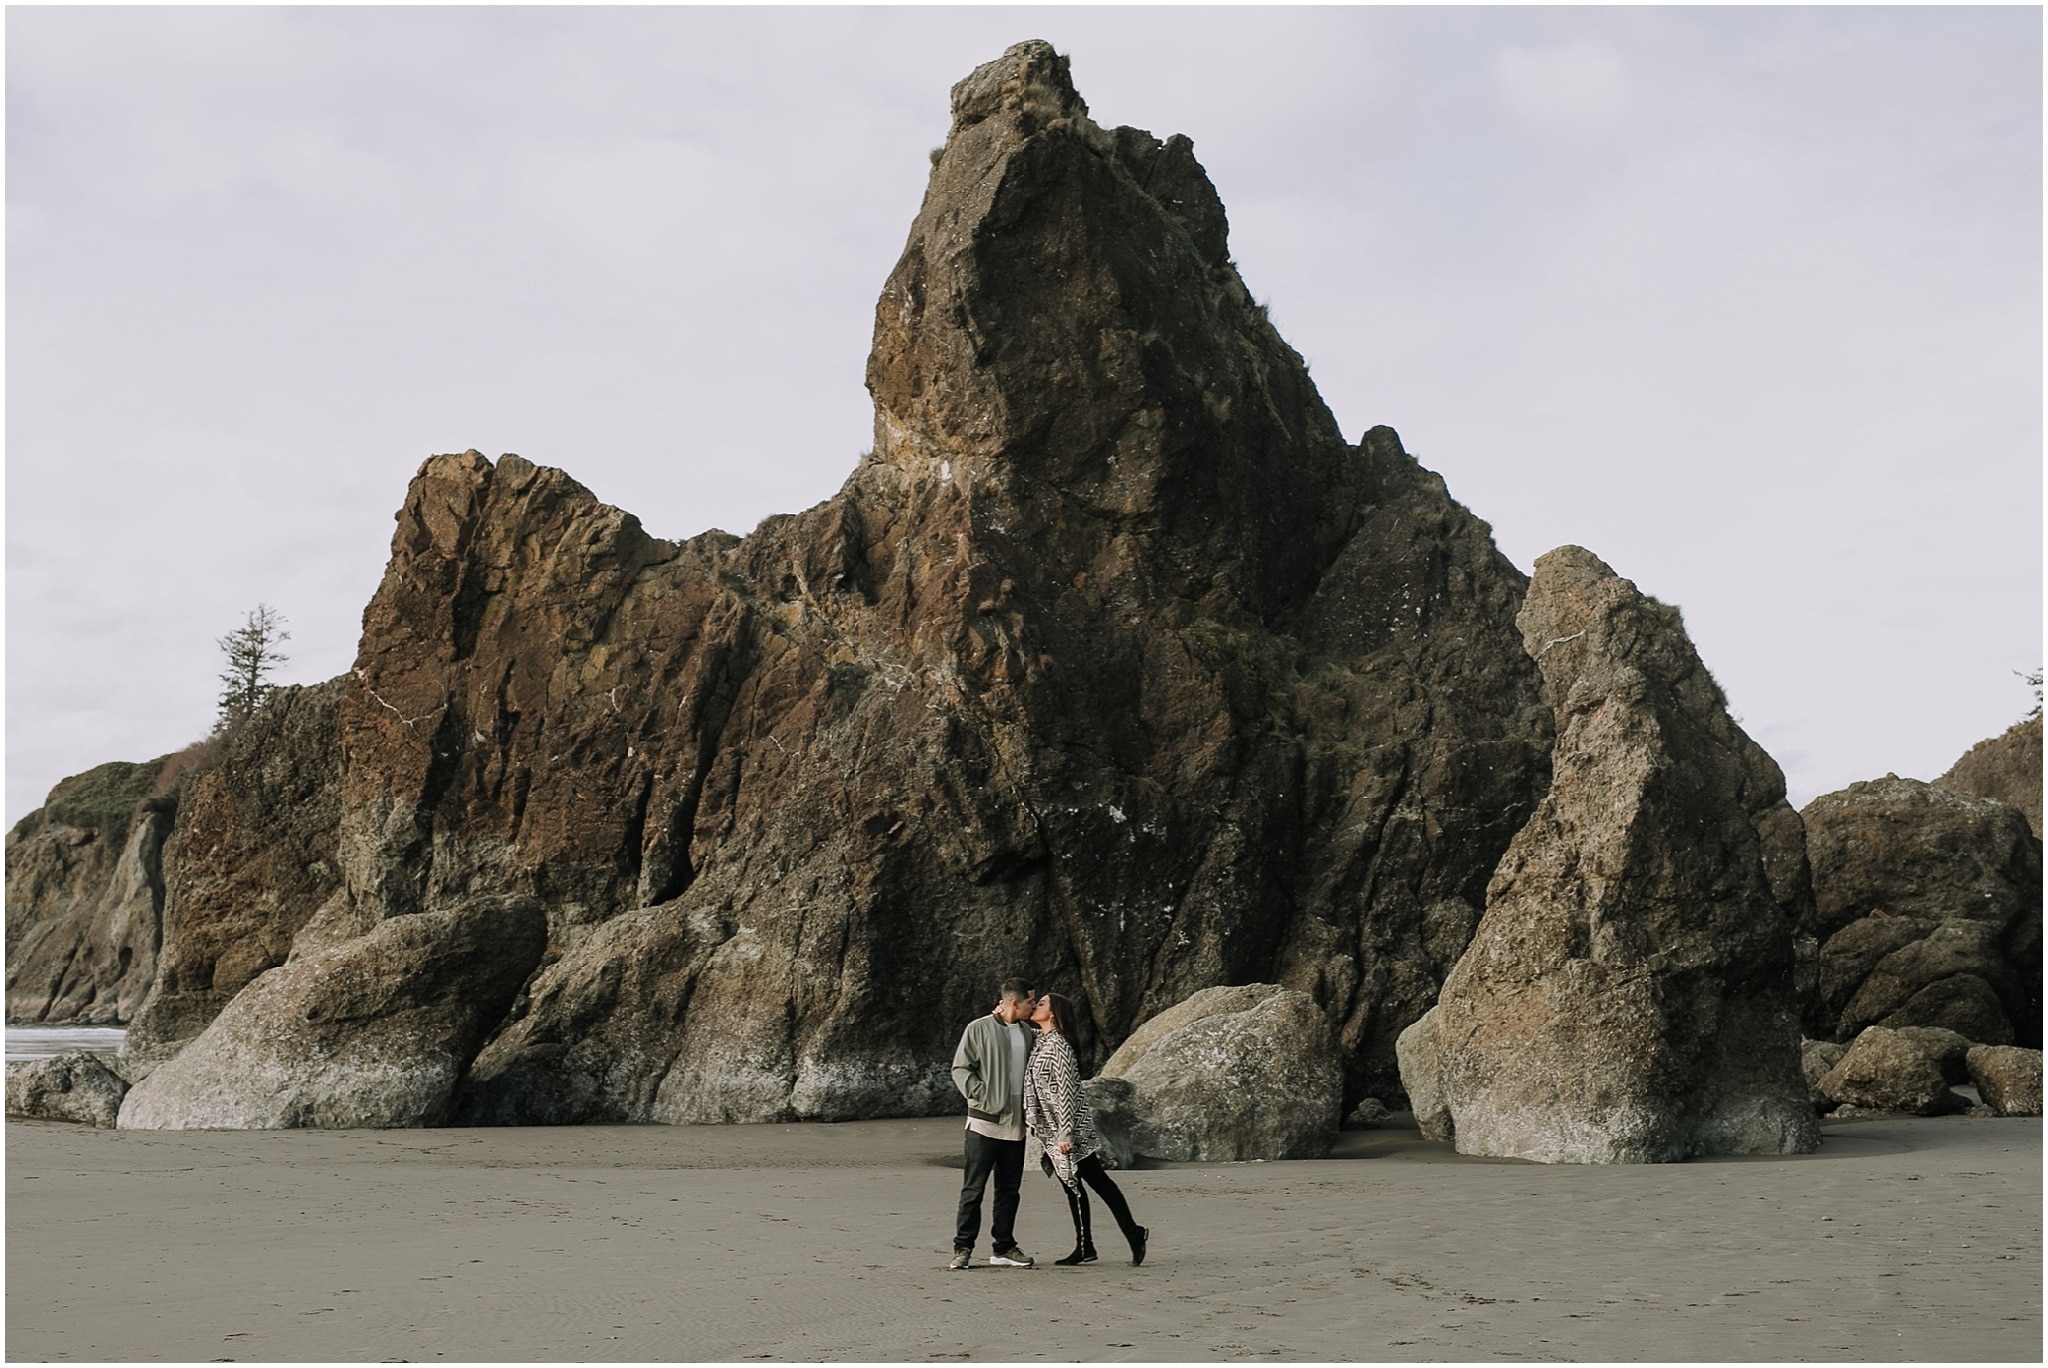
x=85, y=895
x=73, y=1086
x=1112, y=659
x=1241, y=1073
x=2008, y=1078
x=1929, y=913
x=252, y=857
x=1630, y=995
x=373, y=1032
x=1887, y=1071
x=2006, y=768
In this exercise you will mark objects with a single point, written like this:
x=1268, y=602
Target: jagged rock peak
x=1065, y=341
x=1030, y=81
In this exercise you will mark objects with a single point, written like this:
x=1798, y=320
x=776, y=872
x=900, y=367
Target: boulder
x=85, y=894
x=251, y=858
x=1113, y=658
x=2006, y=767
x=1631, y=993
x=1887, y=1071
x=1947, y=1049
x=76, y=1086
x=1111, y=1100
x=1422, y=1078
x=1367, y=1115
x=2008, y=1078
x=1929, y=912
x=373, y=1032
x=1816, y=1058
x=1250, y=1072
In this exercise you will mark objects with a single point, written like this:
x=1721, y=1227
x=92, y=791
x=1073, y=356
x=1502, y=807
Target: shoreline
x=1908, y=1238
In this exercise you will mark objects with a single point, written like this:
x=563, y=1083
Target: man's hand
x=1066, y=1147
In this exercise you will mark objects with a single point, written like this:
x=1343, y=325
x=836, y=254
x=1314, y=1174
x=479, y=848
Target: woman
x=1062, y=1127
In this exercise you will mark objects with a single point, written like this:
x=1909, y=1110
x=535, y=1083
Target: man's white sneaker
x=1012, y=1257
x=962, y=1258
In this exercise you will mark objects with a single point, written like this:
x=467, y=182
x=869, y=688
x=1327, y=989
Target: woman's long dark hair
x=1062, y=1013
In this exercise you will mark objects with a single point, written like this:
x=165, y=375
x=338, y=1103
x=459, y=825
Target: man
x=988, y=1069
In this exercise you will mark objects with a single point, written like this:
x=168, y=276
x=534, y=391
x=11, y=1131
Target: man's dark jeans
x=1004, y=1159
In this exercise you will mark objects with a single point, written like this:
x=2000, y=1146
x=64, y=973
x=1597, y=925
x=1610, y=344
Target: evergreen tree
x=253, y=657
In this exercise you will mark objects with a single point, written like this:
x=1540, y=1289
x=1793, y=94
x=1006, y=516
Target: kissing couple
x=1017, y=1069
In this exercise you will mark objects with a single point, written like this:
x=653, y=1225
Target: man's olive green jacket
x=981, y=1068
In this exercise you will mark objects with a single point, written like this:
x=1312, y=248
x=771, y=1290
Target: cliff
x=85, y=896
x=1113, y=663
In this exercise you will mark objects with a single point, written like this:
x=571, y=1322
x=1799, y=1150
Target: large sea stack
x=1632, y=994
x=1113, y=663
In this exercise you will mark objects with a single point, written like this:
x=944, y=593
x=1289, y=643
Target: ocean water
x=41, y=1042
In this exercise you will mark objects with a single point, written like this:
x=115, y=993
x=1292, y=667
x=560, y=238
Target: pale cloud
x=1577, y=87
x=1747, y=300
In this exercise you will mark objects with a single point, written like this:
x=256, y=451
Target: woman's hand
x=1066, y=1147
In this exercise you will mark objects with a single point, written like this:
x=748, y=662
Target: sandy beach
x=1905, y=1239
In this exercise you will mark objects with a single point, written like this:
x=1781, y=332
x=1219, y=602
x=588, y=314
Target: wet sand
x=1907, y=1239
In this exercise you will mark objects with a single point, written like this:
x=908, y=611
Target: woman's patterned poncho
x=1056, y=1107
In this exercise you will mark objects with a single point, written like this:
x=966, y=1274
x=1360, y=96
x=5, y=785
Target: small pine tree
x=253, y=657
x=2032, y=677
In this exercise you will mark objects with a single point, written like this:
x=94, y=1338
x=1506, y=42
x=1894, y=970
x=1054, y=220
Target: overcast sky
x=1746, y=300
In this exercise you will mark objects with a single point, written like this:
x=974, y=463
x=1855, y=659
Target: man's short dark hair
x=1017, y=988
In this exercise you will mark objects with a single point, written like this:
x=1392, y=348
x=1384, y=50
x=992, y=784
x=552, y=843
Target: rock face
x=1929, y=913
x=2008, y=1078
x=1230, y=1074
x=85, y=895
x=74, y=1086
x=373, y=1032
x=1630, y=995
x=1887, y=1071
x=2006, y=767
x=253, y=855
x=1112, y=663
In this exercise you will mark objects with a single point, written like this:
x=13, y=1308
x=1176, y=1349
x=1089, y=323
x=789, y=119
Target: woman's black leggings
x=1112, y=1196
